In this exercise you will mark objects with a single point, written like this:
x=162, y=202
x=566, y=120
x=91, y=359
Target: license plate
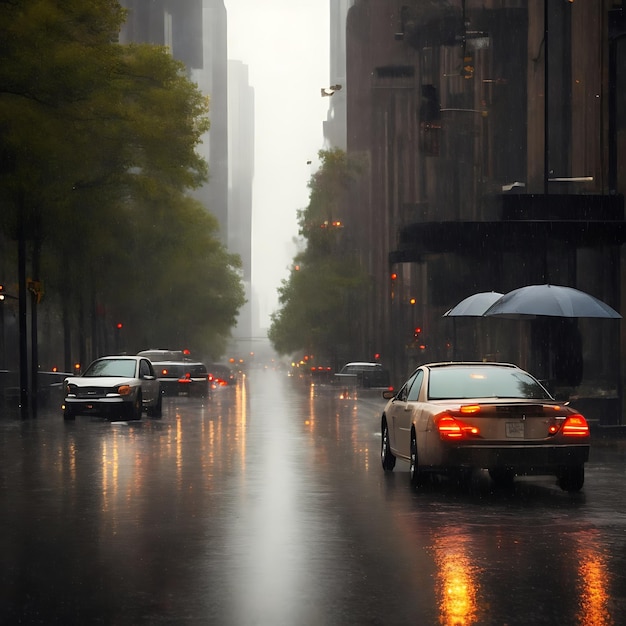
x=515, y=429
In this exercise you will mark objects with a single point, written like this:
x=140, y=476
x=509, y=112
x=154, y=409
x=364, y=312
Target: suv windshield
x=112, y=367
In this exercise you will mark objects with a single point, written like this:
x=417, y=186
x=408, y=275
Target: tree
x=326, y=290
x=97, y=156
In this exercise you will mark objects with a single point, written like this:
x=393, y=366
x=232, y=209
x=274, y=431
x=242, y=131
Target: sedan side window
x=414, y=391
x=404, y=391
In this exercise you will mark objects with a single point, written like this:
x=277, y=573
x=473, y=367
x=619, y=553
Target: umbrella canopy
x=549, y=301
x=474, y=305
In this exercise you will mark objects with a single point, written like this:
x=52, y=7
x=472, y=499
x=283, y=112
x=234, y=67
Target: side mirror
x=388, y=394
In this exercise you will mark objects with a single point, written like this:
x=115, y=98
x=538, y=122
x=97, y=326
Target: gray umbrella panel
x=474, y=305
x=550, y=301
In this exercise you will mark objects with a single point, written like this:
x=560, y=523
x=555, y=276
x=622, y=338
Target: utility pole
x=23, y=329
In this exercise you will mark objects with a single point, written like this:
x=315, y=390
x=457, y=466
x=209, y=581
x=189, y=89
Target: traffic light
x=416, y=332
x=1, y=292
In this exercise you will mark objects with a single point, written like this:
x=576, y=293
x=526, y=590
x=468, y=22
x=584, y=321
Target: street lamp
x=329, y=91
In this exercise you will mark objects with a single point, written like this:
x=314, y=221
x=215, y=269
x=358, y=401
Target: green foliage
x=323, y=297
x=97, y=156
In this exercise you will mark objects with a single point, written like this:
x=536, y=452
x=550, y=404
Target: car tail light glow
x=570, y=426
x=470, y=409
x=575, y=426
x=451, y=428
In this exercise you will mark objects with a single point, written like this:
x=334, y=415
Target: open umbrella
x=549, y=301
x=474, y=305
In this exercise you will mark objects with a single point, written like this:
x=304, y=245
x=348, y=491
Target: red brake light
x=575, y=426
x=454, y=429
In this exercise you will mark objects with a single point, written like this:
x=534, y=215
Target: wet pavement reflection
x=267, y=505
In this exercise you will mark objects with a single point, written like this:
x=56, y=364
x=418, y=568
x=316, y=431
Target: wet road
x=268, y=506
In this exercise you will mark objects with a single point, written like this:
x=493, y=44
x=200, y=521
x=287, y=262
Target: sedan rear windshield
x=169, y=371
x=484, y=382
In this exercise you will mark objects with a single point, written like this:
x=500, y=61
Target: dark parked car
x=456, y=417
x=363, y=374
x=114, y=387
x=183, y=378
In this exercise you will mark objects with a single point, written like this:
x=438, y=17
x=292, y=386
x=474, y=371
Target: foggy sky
x=285, y=45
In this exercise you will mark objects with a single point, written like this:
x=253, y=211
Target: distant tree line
x=323, y=299
x=97, y=158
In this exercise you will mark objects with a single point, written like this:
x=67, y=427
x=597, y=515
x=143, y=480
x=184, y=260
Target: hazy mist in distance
x=286, y=47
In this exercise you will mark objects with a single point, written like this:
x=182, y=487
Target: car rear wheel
x=414, y=472
x=572, y=478
x=387, y=457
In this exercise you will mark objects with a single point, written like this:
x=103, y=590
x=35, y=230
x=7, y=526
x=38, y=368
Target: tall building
x=494, y=132
x=335, y=124
x=212, y=78
x=176, y=24
x=195, y=33
x=241, y=175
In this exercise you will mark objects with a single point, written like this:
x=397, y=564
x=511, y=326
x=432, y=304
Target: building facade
x=494, y=137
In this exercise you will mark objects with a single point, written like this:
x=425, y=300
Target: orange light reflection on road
x=456, y=584
x=310, y=423
x=241, y=409
x=593, y=585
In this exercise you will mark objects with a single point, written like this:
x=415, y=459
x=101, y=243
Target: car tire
x=415, y=475
x=68, y=414
x=135, y=409
x=572, y=478
x=157, y=409
x=502, y=477
x=387, y=457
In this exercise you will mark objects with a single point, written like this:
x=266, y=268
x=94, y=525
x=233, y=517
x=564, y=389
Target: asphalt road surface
x=267, y=505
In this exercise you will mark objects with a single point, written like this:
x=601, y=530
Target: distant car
x=221, y=375
x=321, y=375
x=186, y=378
x=454, y=417
x=363, y=374
x=115, y=387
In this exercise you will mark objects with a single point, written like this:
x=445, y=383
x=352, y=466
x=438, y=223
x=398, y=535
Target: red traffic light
x=119, y=325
